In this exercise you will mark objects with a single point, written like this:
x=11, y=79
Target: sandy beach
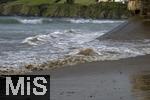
x=104, y=80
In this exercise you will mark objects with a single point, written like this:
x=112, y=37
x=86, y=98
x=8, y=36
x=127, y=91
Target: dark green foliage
x=5, y=1
x=103, y=10
x=56, y=1
x=96, y=11
x=70, y=1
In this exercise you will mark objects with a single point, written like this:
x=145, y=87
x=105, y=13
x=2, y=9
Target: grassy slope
x=38, y=2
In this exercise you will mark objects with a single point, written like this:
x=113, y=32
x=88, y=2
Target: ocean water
x=33, y=41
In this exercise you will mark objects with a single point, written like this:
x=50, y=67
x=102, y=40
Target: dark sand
x=106, y=80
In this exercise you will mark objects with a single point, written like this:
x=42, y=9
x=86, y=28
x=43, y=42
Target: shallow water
x=26, y=41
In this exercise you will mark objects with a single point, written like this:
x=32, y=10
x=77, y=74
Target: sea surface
x=34, y=40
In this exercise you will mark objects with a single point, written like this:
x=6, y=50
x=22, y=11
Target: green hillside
x=49, y=8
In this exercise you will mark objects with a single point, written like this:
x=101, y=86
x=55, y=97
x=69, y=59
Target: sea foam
x=94, y=21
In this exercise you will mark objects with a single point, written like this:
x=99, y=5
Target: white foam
x=63, y=37
x=35, y=40
x=106, y=21
x=79, y=20
x=31, y=21
x=93, y=21
x=34, y=21
x=99, y=51
x=47, y=20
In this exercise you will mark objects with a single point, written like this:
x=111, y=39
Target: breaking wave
x=69, y=47
x=31, y=21
x=24, y=21
x=83, y=55
x=94, y=21
x=95, y=51
x=34, y=21
x=60, y=37
x=19, y=20
x=35, y=40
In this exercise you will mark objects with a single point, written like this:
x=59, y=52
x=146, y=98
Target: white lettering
x=40, y=86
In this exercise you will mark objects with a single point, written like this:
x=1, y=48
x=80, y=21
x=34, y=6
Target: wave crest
x=24, y=21
x=35, y=40
x=94, y=21
x=18, y=20
x=31, y=21
x=65, y=36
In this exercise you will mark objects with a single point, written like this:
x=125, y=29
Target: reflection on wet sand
x=141, y=86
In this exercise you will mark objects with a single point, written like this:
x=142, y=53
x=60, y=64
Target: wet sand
x=106, y=80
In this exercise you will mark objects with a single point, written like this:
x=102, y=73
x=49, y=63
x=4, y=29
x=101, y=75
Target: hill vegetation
x=39, y=2
x=60, y=8
x=5, y=1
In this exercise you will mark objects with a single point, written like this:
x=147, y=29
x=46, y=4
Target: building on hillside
x=134, y=5
x=139, y=6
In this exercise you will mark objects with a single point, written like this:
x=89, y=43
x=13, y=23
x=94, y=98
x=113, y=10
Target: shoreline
x=35, y=70
x=123, y=61
x=102, y=80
